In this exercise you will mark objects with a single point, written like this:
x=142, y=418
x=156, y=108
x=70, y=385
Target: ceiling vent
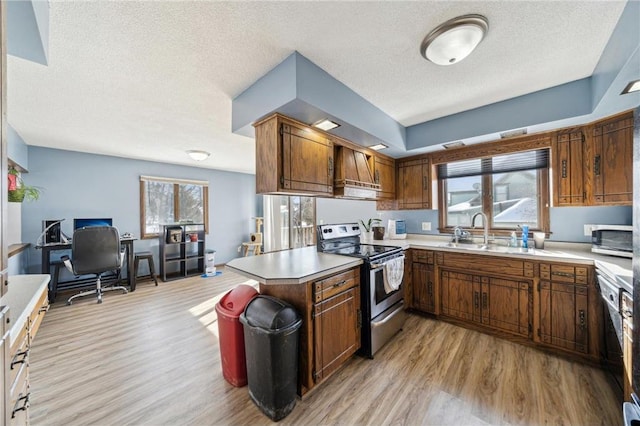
x=513, y=133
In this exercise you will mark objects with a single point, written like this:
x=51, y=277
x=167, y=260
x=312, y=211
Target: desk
x=127, y=243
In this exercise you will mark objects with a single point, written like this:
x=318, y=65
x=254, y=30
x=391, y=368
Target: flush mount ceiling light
x=326, y=124
x=633, y=86
x=454, y=40
x=513, y=133
x=455, y=144
x=378, y=147
x=198, y=155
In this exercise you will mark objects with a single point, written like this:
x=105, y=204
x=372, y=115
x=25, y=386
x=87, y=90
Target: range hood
x=354, y=175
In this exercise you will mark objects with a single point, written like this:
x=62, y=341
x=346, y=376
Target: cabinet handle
x=376, y=177
x=340, y=283
x=596, y=165
x=330, y=166
x=25, y=404
x=564, y=169
x=22, y=360
x=476, y=299
x=581, y=316
x=484, y=300
x=430, y=289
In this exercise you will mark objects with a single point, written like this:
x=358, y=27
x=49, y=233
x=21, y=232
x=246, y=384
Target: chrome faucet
x=485, y=223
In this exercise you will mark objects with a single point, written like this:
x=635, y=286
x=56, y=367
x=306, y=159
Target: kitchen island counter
x=291, y=266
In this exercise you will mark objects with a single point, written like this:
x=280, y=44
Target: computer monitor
x=83, y=223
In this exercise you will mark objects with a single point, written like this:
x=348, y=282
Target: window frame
x=488, y=151
x=176, y=201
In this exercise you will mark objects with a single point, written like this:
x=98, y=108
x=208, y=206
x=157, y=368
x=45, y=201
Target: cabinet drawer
x=564, y=273
x=18, y=354
x=19, y=398
x=333, y=285
x=422, y=256
x=36, y=316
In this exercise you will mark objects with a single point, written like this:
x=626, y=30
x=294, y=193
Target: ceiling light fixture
x=455, y=144
x=326, y=124
x=198, y=155
x=513, y=133
x=378, y=147
x=451, y=42
x=633, y=86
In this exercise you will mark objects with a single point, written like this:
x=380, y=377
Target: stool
x=143, y=255
x=251, y=246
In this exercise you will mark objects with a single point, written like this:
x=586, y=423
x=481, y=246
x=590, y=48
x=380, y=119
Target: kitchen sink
x=491, y=248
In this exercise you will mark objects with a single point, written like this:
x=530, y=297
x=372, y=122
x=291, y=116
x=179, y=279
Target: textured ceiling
x=149, y=80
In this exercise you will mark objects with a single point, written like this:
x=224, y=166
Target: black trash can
x=271, y=334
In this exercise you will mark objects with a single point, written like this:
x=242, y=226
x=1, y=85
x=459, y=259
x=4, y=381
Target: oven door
x=379, y=299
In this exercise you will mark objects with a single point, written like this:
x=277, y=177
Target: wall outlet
x=426, y=226
x=587, y=230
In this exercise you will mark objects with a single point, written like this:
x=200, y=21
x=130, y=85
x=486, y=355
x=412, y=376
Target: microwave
x=614, y=240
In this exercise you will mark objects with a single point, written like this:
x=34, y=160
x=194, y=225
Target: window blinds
x=518, y=161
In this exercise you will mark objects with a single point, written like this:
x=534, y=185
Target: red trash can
x=231, y=335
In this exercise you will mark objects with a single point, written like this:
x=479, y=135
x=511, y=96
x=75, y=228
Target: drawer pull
x=16, y=361
x=24, y=400
x=340, y=283
x=563, y=274
x=581, y=316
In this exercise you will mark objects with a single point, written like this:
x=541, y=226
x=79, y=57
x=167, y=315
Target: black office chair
x=95, y=250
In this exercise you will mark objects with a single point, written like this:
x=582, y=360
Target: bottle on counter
x=513, y=241
x=525, y=236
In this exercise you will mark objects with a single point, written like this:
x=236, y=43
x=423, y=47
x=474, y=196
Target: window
x=289, y=222
x=164, y=200
x=510, y=189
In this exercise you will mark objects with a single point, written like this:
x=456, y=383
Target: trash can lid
x=270, y=313
x=234, y=302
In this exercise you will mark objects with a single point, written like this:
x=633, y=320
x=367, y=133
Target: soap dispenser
x=513, y=242
x=525, y=237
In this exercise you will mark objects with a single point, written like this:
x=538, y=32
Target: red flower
x=13, y=182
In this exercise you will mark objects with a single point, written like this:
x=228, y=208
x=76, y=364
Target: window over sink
x=510, y=189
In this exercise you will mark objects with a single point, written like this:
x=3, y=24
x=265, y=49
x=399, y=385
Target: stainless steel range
x=382, y=312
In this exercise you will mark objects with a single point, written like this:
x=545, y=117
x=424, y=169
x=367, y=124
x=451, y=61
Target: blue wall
x=87, y=185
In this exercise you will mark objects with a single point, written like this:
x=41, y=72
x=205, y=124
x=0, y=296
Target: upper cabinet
x=568, y=168
x=414, y=184
x=612, y=161
x=592, y=165
x=384, y=174
x=292, y=158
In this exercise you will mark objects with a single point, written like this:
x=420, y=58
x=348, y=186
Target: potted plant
x=18, y=191
x=367, y=235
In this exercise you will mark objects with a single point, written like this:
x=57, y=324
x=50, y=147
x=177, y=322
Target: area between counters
x=291, y=266
x=24, y=292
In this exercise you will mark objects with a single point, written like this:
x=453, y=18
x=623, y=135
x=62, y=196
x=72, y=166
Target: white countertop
x=24, y=291
x=291, y=266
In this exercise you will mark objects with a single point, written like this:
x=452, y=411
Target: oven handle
x=381, y=264
x=399, y=308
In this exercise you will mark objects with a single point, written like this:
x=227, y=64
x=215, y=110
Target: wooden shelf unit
x=180, y=256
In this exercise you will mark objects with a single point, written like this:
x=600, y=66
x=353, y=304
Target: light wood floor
x=152, y=357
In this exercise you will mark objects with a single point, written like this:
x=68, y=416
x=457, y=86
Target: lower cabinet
x=500, y=303
x=555, y=305
x=331, y=322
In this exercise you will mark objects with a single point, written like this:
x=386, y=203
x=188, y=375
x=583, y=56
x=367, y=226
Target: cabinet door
x=413, y=185
x=337, y=331
x=563, y=315
x=612, y=162
x=506, y=305
x=422, y=285
x=568, y=169
x=307, y=161
x=385, y=175
x=458, y=297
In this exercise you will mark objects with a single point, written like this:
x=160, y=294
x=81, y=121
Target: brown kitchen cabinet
x=330, y=330
x=421, y=291
x=568, y=167
x=564, y=307
x=496, y=302
x=414, y=184
x=611, y=161
x=354, y=175
x=292, y=158
x=384, y=174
